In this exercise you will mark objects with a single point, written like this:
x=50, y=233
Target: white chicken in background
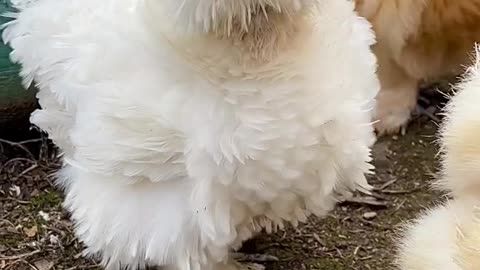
x=188, y=126
x=448, y=237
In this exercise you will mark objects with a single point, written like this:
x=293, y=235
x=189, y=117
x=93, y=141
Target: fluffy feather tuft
x=222, y=16
x=448, y=237
x=460, y=142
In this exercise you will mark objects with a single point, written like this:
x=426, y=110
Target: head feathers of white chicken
x=261, y=27
x=224, y=15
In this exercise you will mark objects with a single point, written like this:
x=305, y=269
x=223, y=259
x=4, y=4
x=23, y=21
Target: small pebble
x=370, y=215
x=16, y=189
x=44, y=215
x=54, y=239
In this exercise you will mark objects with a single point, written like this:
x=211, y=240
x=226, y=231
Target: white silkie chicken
x=448, y=237
x=187, y=126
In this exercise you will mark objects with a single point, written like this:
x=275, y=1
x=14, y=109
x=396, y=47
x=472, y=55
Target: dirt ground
x=36, y=234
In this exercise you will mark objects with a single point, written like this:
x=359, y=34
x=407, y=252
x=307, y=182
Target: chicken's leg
x=397, y=97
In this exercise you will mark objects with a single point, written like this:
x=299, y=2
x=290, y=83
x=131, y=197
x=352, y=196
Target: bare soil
x=35, y=233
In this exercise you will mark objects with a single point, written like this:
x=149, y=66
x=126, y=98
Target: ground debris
x=35, y=232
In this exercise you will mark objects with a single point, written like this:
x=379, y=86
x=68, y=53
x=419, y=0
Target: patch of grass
x=47, y=200
x=10, y=240
x=327, y=264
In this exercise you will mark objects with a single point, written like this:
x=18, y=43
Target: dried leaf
x=31, y=232
x=43, y=264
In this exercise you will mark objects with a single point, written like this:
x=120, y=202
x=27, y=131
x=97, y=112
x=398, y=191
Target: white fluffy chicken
x=189, y=125
x=448, y=237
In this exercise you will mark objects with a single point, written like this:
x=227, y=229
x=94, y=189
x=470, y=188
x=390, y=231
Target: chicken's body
x=180, y=141
x=448, y=237
x=417, y=40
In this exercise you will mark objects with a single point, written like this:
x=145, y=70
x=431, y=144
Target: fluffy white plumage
x=188, y=126
x=448, y=237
